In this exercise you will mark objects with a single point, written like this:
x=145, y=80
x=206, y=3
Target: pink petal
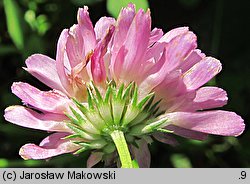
x=211, y=122
x=155, y=35
x=102, y=26
x=124, y=21
x=75, y=46
x=179, y=103
x=173, y=33
x=60, y=61
x=175, y=52
x=94, y=158
x=178, y=49
x=141, y=154
x=51, y=146
x=44, y=69
x=97, y=59
x=87, y=29
x=25, y=117
x=194, y=57
x=154, y=60
x=190, y=134
x=49, y=101
x=116, y=66
x=209, y=97
x=171, y=87
x=136, y=44
x=155, y=78
x=201, y=72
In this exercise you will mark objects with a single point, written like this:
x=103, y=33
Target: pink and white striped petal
x=135, y=44
x=102, y=27
x=75, y=46
x=44, y=69
x=25, y=117
x=51, y=146
x=201, y=72
x=61, y=58
x=98, y=69
x=208, y=98
x=210, y=122
x=155, y=35
x=86, y=28
x=46, y=101
x=173, y=33
x=194, y=57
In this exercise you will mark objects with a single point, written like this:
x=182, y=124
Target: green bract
x=95, y=124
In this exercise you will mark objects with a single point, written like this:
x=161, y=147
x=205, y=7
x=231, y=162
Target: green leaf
x=4, y=163
x=180, y=161
x=12, y=12
x=114, y=6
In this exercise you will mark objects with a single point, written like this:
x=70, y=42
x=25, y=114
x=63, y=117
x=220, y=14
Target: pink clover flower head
x=119, y=80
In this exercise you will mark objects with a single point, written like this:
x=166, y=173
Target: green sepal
x=150, y=127
x=137, y=130
x=82, y=108
x=82, y=133
x=119, y=93
x=127, y=90
x=96, y=144
x=109, y=148
x=155, y=111
x=90, y=99
x=77, y=115
x=135, y=97
x=155, y=107
x=134, y=143
x=148, y=139
x=144, y=100
x=72, y=136
x=165, y=130
x=149, y=103
x=98, y=94
x=73, y=120
x=117, y=110
x=107, y=95
x=80, y=151
x=154, y=126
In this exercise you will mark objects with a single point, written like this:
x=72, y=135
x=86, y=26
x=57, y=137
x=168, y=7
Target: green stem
x=122, y=148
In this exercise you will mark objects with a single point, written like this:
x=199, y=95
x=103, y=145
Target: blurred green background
x=222, y=27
